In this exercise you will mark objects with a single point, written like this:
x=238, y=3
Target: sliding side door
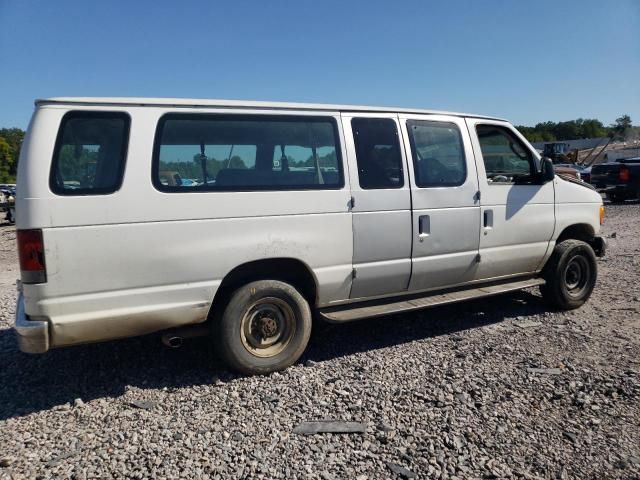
x=381, y=204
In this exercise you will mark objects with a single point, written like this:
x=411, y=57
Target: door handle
x=424, y=227
x=488, y=219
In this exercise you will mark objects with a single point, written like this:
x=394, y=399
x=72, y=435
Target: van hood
x=567, y=178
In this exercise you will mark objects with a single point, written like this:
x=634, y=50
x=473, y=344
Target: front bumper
x=33, y=335
x=599, y=245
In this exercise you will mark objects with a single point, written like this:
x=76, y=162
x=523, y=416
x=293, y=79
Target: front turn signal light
x=601, y=214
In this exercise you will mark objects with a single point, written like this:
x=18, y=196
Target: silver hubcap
x=267, y=327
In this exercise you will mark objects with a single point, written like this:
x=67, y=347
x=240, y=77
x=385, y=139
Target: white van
x=137, y=215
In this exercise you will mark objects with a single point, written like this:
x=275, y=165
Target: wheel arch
x=577, y=231
x=290, y=270
x=583, y=232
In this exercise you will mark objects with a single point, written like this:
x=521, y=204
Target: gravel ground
x=497, y=388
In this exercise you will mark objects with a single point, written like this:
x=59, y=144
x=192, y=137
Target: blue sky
x=526, y=61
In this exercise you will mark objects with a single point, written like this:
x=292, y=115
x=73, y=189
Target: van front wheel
x=265, y=327
x=570, y=275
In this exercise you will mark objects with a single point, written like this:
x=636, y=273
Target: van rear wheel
x=265, y=327
x=570, y=275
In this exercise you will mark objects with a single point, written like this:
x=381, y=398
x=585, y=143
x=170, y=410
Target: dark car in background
x=582, y=172
x=8, y=202
x=585, y=172
x=620, y=180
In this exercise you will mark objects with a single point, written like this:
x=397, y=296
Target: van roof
x=194, y=103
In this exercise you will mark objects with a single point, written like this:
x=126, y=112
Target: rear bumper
x=33, y=335
x=612, y=188
x=599, y=245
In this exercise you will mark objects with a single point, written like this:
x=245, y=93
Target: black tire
x=570, y=275
x=255, y=311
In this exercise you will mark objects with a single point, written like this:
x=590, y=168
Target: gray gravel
x=497, y=388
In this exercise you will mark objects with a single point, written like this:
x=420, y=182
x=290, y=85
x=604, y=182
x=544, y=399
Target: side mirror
x=546, y=170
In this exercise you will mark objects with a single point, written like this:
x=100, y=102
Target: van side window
x=438, y=153
x=246, y=152
x=377, y=153
x=506, y=159
x=90, y=152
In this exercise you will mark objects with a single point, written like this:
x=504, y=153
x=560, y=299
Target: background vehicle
x=568, y=170
x=585, y=172
x=558, y=152
x=8, y=201
x=620, y=180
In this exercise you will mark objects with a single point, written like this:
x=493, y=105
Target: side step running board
x=348, y=313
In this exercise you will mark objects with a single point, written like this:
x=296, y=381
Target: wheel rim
x=267, y=327
x=576, y=275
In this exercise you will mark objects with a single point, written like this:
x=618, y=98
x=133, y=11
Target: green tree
x=14, y=138
x=592, y=128
x=622, y=126
x=567, y=130
x=6, y=162
x=236, y=162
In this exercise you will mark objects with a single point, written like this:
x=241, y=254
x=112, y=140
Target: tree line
x=11, y=138
x=577, y=129
x=10, y=143
x=193, y=169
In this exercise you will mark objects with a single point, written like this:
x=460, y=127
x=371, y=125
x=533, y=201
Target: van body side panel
x=140, y=260
x=32, y=190
x=121, y=280
x=575, y=205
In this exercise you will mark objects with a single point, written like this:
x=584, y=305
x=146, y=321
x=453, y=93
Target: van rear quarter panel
x=140, y=260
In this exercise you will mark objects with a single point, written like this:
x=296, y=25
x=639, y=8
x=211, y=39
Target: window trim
x=400, y=152
x=53, y=184
x=532, y=158
x=155, y=159
x=414, y=156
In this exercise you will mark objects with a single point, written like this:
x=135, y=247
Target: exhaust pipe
x=174, y=338
x=171, y=341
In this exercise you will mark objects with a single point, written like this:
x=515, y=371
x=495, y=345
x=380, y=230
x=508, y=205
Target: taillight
x=624, y=174
x=601, y=214
x=31, y=255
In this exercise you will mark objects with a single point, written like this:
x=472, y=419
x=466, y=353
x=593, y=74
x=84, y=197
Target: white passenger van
x=140, y=215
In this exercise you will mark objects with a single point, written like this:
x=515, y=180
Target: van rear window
x=246, y=152
x=90, y=153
